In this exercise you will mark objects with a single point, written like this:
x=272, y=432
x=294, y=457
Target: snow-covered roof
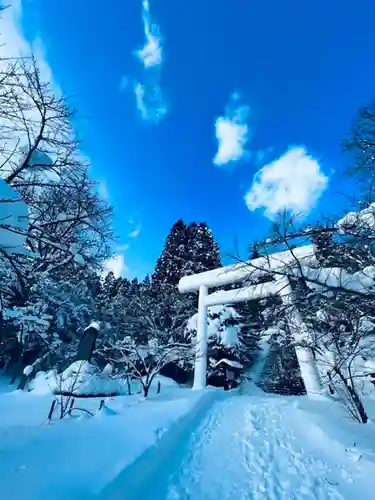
x=229, y=362
x=241, y=271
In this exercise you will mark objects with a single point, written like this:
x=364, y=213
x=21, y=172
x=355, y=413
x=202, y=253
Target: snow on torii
x=282, y=262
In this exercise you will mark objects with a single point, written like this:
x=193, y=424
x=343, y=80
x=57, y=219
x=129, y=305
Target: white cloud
x=232, y=132
x=148, y=93
x=152, y=53
x=115, y=264
x=135, y=233
x=150, y=102
x=293, y=182
x=14, y=44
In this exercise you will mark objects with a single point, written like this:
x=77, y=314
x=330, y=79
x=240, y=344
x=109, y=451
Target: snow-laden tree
x=169, y=266
x=360, y=146
x=224, y=339
x=40, y=159
x=154, y=314
x=64, y=228
x=188, y=250
x=335, y=296
x=143, y=361
x=203, y=252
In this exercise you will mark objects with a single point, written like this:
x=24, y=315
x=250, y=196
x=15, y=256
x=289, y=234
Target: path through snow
x=263, y=448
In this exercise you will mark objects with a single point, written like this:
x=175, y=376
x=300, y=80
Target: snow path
x=259, y=448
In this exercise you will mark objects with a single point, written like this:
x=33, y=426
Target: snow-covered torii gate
x=280, y=265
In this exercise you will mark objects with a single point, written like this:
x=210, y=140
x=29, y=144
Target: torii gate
x=281, y=265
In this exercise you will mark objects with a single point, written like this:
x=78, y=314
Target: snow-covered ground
x=75, y=458
x=267, y=447
x=257, y=446
x=186, y=445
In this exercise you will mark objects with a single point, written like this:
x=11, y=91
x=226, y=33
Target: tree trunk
x=128, y=384
x=146, y=388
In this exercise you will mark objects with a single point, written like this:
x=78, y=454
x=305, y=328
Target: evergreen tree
x=188, y=250
x=170, y=264
x=203, y=252
x=281, y=373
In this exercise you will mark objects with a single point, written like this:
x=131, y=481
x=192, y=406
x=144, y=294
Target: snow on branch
x=144, y=362
x=362, y=222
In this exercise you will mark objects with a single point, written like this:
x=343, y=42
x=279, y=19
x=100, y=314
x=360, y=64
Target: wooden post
x=200, y=370
x=51, y=409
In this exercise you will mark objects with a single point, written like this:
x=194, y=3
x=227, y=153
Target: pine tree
x=188, y=250
x=203, y=252
x=170, y=264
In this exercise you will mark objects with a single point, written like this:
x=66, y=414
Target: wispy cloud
x=122, y=248
x=152, y=53
x=293, y=182
x=232, y=132
x=148, y=92
x=135, y=233
x=150, y=102
x=116, y=265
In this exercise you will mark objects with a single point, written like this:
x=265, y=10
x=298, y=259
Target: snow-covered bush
x=144, y=362
x=222, y=326
x=44, y=382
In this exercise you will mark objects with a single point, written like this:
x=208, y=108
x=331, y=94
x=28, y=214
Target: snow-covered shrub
x=144, y=362
x=44, y=382
x=223, y=332
x=83, y=378
x=222, y=326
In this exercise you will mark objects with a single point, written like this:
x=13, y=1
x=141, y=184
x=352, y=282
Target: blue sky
x=183, y=102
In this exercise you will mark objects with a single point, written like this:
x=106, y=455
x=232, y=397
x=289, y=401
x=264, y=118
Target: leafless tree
x=144, y=362
x=41, y=159
x=334, y=294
